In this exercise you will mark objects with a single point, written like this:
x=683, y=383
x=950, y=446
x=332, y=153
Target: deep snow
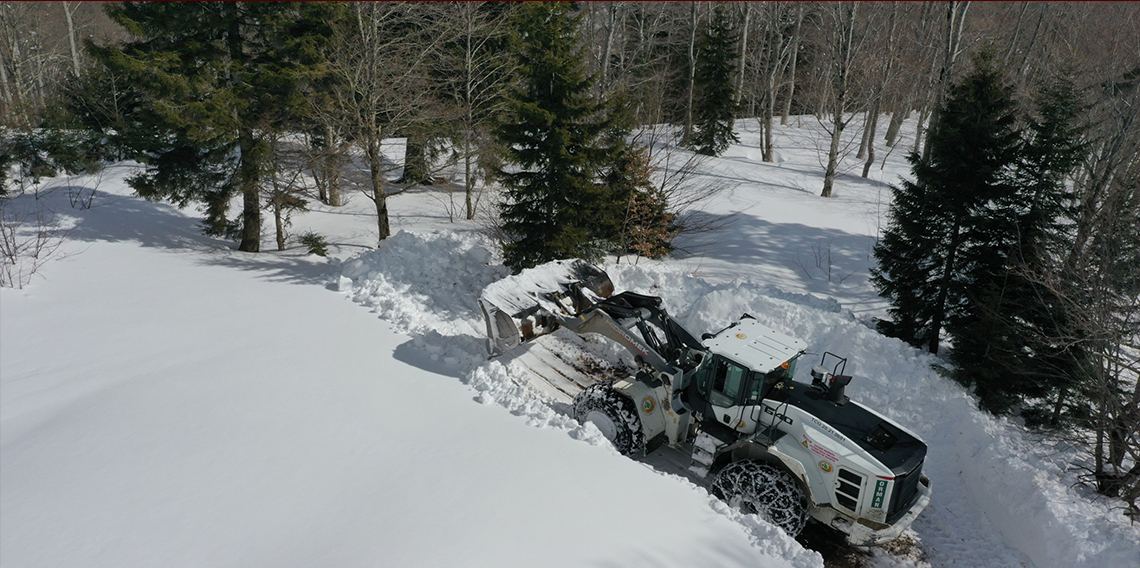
x=168, y=401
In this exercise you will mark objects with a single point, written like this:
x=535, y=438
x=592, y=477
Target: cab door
x=721, y=384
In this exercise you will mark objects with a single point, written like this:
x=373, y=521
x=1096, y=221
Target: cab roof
x=757, y=346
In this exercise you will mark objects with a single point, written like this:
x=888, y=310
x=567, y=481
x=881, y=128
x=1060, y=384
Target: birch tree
x=845, y=41
x=380, y=62
x=476, y=76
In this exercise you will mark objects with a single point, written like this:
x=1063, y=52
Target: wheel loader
x=762, y=441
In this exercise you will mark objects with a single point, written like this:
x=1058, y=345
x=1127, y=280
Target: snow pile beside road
x=421, y=283
x=985, y=488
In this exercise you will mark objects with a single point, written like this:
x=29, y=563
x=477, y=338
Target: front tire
x=758, y=488
x=612, y=413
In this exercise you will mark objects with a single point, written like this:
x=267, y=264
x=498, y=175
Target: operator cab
x=743, y=362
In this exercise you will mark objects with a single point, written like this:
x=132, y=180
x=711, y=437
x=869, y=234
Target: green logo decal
x=648, y=405
x=880, y=493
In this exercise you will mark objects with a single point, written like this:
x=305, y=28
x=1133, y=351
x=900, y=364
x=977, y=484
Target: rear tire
x=758, y=488
x=612, y=413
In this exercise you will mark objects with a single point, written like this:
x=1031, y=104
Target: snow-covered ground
x=165, y=400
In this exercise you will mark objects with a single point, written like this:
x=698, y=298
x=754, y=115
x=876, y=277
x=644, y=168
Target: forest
x=1013, y=249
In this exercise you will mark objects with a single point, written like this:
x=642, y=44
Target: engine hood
x=882, y=439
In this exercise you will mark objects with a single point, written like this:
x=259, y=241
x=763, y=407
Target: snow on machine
x=763, y=442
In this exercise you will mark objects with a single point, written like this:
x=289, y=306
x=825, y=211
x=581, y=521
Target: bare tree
x=790, y=80
x=647, y=65
x=69, y=14
x=283, y=191
x=692, y=77
x=39, y=50
x=379, y=59
x=778, y=33
x=476, y=75
x=952, y=48
x=28, y=239
x=676, y=173
x=867, y=146
x=745, y=21
x=845, y=40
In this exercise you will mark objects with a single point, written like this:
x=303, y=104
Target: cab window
x=759, y=385
x=728, y=381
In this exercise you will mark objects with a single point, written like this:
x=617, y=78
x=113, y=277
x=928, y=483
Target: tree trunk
x=279, y=196
x=832, y=159
x=248, y=168
x=20, y=100
x=415, y=161
x=249, y=162
x=688, y=133
x=1055, y=419
x=897, y=117
x=68, y=12
x=862, y=153
x=604, y=83
x=5, y=90
x=792, y=65
x=874, y=119
x=469, y=116
x=1032, y=42
x=279, y=225
x=377, y=180
x=1016, y=32
x=332, y=166
x=872, y=123
x=955, y=20
x=318, y=149
x=846, y=38
x=918, y=129
x=322, y=186
x=1098, y=451
x=769, y=109
x=775, y=52
x=739, y=93
x=944, y=290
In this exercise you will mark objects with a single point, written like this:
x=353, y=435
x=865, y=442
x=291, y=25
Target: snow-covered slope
x=165, y=400
x=171, y=405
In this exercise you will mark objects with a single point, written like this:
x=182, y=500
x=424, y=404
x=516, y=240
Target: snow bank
x=989, y=497
x=421, y=283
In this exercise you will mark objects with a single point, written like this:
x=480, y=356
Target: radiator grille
x=847, y=490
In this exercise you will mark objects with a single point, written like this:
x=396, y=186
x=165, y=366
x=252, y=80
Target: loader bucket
x=530, y=304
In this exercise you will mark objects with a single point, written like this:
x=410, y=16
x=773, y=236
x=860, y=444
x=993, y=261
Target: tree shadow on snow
x=823, y=261
x=114, y=218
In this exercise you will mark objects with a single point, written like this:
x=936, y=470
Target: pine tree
x=714, y=104
x=215, y=79
x=1005, y=344
x=936, y=243
x=554, y=139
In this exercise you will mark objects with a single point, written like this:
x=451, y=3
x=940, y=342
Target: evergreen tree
x=215, y=78
x=1005, y=343
x=936, y=244
x=714, y=103
x=554, y=137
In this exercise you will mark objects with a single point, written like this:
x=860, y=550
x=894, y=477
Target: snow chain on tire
x=601, y=397
x=772, y=493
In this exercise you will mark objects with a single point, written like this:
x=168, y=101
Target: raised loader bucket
x=530, y=304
